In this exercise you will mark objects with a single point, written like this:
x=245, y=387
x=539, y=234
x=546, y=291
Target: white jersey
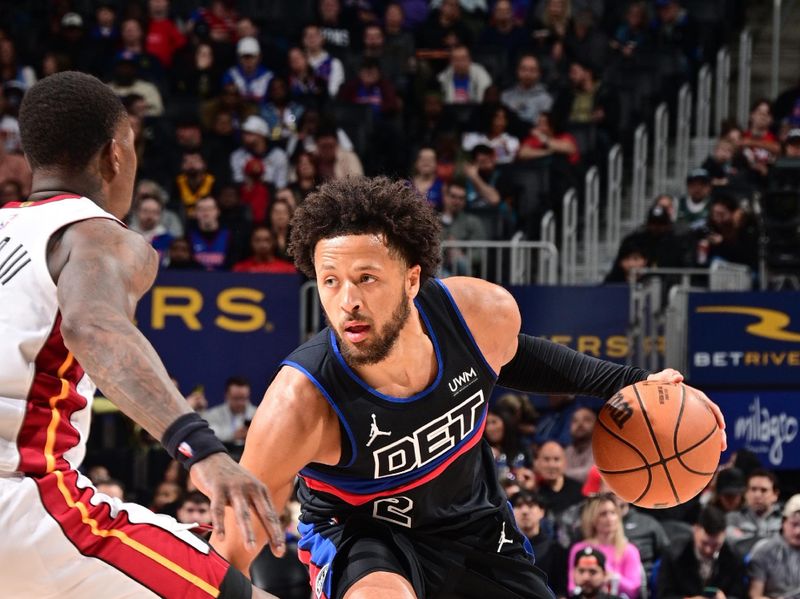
x=45, y=396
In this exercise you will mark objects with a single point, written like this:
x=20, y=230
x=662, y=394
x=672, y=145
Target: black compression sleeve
x=541, y=366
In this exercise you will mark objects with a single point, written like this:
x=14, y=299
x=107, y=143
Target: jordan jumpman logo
x=375, y=432
x=503, y=539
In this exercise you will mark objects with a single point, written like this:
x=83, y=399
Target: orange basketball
x=656, y=444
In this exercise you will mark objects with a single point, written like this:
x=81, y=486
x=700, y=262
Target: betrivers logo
x=462, y=380
x=771, y=323
x=767, y=433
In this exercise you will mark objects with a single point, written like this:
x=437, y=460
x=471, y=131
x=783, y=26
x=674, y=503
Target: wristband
x=189, y=439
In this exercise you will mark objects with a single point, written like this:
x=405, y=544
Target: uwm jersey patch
x=414, y=461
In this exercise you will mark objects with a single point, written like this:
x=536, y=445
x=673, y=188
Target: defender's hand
x=670, y=375
x=228, y=484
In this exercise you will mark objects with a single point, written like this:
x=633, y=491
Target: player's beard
x=376, y=350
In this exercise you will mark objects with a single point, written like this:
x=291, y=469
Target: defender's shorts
x=59, y=537
x=486, y=558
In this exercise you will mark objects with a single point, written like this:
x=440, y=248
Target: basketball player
x=382, y=412
x=70, y=277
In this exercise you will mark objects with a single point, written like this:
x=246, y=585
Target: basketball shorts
x=59, y=537
x=485, y=558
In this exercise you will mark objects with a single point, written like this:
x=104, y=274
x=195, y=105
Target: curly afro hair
x=363, y=205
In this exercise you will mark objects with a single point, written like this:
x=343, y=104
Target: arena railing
x=515, y=262
x=591, y=226
x=547, y=233
x=657, y=321
x=614, y=190
x=701, y=142
x=745, y=76
x=660, y=150
x=638, y=193
x=569, y=238
x=683, y=134
x=722, y=91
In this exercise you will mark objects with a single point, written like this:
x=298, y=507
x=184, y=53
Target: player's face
x=366, y=293
x=120, y=187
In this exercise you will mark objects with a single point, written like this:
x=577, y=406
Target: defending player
x=70, y=277
x=382, y=413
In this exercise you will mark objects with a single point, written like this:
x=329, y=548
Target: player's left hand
x=670, y=375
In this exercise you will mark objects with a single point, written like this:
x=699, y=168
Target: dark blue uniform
x=415, y=491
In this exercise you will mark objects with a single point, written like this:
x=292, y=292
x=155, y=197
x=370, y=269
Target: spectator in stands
x=398, y=44
x=280, y=112
x=166, y=498
x=502, y=438
x=334, y=161
x=326, y=67
x=263, y=260
x=791, y=145
x=249, y=76
x=193, y=182
x=557, y=489
x=111, y=487
x=150, y=189
x=10, y=191
x=728, y=490
x=280, y=218
x=307, y=129
x=425, y=180
x=14, y=167
x=484, y=182
x=760, y=517
x=658, y=239
x=304, y=84
x=629, y=258
x=254, y=193
x=550, y=27
x=230, y=420
x=529, y=97
x=198, y=74
x=211, y=243
x=692, y=209
x=339, y=27
x=585, y=42
x=371, y=89
x=786, y=108
x=774, y=567
x=589, y=575
x=503, y=34
x=631, y=35
x=578, y=453
x=11, y=71
x=394, y=66
x=551, y=558
x=255, y=133
x=545, y=140
x=220, y=20
x=126, y=81
x=725, y=164
x=463, y=81
x=70, y=44
x=194, y=508
x=704, y=565
x=459, y=226
x=494, y=133
x=759, y=144
x=306, y=177
x=229, y=102
x=730, y=235
x=601, y=525
x=163, y=36
x=589, y=104
x=180, y=256
x=444, y=28
x=148, y=224
x=522, y=413
x=676, y=41
x=646, y=533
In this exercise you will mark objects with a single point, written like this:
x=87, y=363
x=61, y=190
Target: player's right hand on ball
x=228, y=484
x=717, y=414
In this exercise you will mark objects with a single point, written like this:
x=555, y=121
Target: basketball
x=656, y=444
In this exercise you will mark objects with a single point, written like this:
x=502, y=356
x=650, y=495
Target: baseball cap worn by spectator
x=793, y=137
x=72, y=19
x=256, y=125
x=698, y=174
x=592, y=557
x=658, y=215
x=248, y=46
x=528, y=498
x=730, y=482
x=792, y=506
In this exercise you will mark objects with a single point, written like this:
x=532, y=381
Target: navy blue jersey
x=419, y=461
